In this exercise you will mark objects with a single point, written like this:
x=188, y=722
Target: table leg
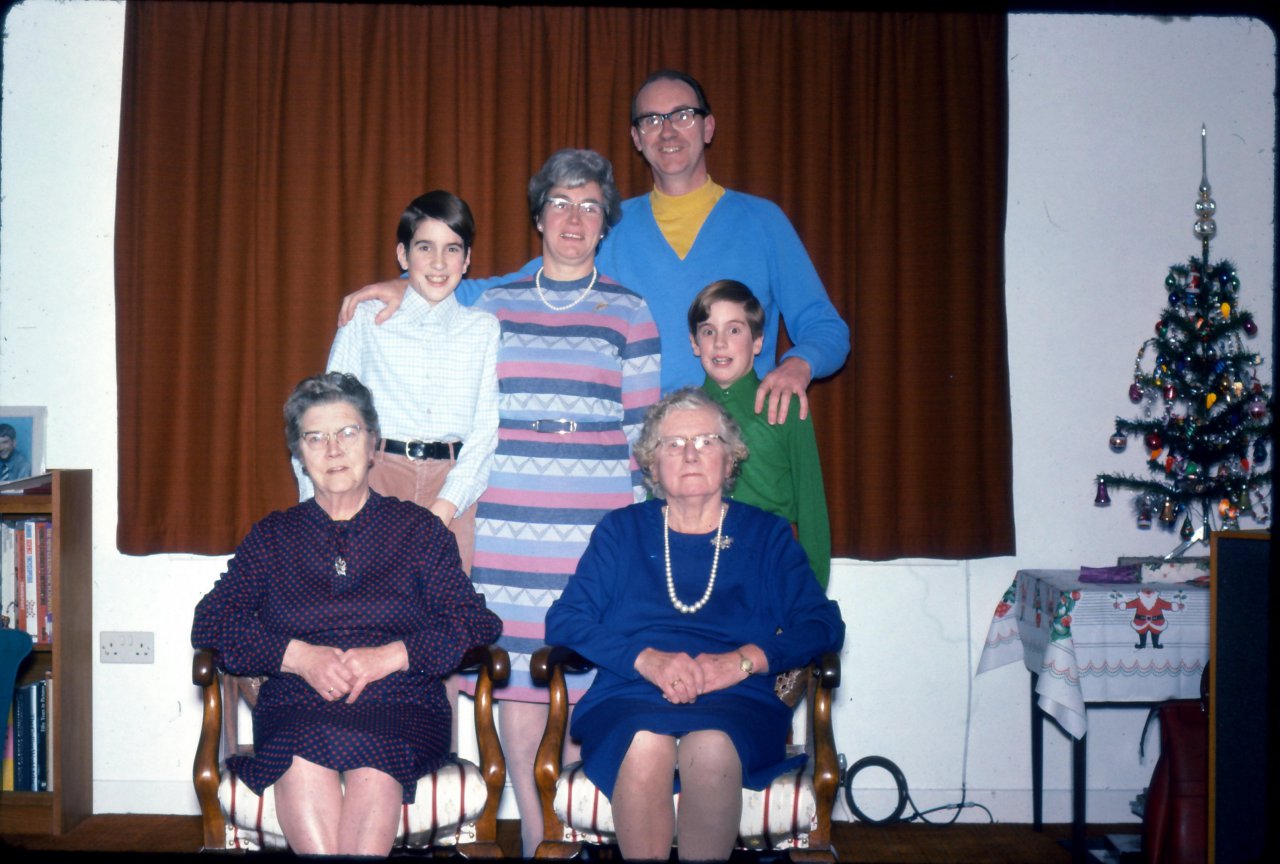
x=1037, y=760
x=1079, y=845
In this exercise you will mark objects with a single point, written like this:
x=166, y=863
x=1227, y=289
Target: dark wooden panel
x=1240, y=700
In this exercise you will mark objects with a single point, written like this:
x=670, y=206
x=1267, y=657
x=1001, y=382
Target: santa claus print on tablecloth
x=1149, y=609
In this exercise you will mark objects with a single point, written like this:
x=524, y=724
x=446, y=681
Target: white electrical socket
x=127, y=646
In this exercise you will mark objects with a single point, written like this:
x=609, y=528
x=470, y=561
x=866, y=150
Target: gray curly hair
x=321, y=390
x=685, y=399
x=573, y=168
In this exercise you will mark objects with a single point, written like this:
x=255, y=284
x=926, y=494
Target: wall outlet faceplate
x=127, y=646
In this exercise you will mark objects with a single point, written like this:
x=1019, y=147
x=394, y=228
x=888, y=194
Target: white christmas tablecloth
x=1099, y=642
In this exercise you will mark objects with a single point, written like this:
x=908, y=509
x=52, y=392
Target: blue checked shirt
x=433, y=371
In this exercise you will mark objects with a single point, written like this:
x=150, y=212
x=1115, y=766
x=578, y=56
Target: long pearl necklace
x=715, y=563
x=537, y=284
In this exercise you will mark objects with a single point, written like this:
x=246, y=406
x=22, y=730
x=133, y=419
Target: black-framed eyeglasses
x=681, y=118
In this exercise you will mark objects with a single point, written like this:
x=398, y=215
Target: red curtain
x=266, y=151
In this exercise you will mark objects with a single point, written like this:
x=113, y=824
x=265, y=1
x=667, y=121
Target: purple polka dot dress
x=403, y=581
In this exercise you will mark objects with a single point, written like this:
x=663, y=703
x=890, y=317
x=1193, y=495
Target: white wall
x=1104, y=163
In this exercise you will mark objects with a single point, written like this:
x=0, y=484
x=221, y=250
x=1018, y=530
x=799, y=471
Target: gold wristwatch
x=745, y=664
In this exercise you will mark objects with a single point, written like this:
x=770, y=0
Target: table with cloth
x=1117, y=640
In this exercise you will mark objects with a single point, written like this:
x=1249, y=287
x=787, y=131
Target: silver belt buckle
x=566, y=426
x=415, y=451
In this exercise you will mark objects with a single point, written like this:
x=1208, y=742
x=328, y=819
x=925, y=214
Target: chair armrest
x=204, y=667
x=492, y=659
x=826, y=761
x=549, y=657
x=828, y=670
x=204, y=770
x=494, y=667
x=547, y=667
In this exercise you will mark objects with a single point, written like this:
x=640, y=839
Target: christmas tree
x=1206, y=416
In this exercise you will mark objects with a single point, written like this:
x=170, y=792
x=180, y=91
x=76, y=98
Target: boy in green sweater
x=782, y=474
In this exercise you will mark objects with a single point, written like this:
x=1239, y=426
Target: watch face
x=746, y=665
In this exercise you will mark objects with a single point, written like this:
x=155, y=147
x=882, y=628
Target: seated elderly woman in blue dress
x=355, y=607
x=690, y=605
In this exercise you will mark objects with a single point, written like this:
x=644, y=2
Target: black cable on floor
x=904, y=797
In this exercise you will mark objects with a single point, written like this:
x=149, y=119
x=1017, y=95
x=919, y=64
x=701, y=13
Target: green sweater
x=782, y=475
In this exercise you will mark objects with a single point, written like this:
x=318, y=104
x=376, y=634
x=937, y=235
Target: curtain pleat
x=266, y=152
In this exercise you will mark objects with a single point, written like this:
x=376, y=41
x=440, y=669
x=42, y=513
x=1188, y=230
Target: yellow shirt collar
x=680, y=217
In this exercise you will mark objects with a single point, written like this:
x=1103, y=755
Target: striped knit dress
x=597, y=363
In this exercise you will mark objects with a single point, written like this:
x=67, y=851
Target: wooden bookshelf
x=66, y=498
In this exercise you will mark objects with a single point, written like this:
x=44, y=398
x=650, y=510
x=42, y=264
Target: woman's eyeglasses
x=346, y=436
x=675, y=444
x=586, y=209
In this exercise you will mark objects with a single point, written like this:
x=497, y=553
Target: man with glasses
x=689, y=232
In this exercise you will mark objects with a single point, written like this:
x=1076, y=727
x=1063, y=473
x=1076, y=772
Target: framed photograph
x=21, y=441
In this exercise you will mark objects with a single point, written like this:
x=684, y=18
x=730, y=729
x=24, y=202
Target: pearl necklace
x=537, y=284
x=715, y=563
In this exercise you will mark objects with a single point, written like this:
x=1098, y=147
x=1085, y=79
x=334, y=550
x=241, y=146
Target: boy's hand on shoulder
x=390, y=292
x=790, y=377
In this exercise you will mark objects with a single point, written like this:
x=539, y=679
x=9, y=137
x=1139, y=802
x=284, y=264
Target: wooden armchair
x=456, y=807
x=793, y=815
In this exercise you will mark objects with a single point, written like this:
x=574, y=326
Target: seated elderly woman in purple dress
x=355, y=607
x=689, y=605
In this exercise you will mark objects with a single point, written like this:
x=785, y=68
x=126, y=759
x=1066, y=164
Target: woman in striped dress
x=578, y=366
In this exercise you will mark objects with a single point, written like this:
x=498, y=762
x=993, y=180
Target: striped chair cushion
x=443, y=813
x=779, y=817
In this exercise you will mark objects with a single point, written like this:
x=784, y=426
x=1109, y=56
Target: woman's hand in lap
x=367, y=665
x=678, y=676
x=721, y=671
x=321, y=666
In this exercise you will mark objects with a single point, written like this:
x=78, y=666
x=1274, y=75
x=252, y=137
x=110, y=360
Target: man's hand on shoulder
x=390, y=292
x=790, y=377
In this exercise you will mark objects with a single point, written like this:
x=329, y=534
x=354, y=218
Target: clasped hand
x=682, y=679
x=335, y=673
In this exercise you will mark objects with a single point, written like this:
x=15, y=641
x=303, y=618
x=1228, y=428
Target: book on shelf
x=23, y=731
x=44, y=576
x=8, y=569
x=50, y=749
x=42, y=736
x=26, y=576
x=6, y=772
x=30, y=737
x=32, y=601
x=16, y=596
